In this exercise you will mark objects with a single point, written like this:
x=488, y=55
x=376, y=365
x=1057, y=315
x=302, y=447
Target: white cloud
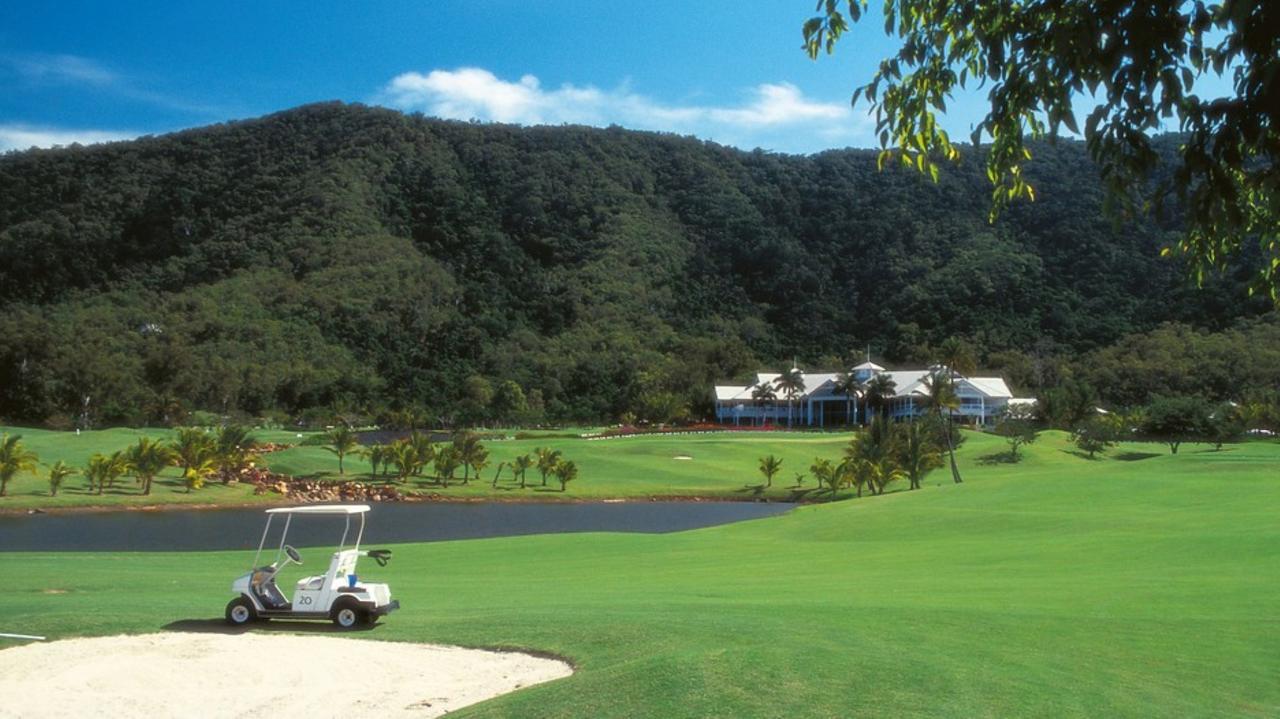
x=24, y=137
x=777, y=116
x=62, y=69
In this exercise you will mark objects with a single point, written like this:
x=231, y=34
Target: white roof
x=725, y=393
x=991, y=386
x=870, y=366
x=322, y=509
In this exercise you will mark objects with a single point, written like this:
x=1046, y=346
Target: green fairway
x=694, y=465
x=1141, y=584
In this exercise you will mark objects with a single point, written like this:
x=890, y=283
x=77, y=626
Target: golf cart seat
x=264, y=586
x=315, y=582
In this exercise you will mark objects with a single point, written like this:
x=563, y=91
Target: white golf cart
x=337, y=595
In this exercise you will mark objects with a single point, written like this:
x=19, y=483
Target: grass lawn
x=711, y=465
x=1141, y=584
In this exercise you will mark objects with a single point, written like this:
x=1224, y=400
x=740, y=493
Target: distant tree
x=1226, y=423
x=1095, y=434
x=764, y=393
x=477, y=398
x=566, y=472
x=1017, y=424
x=58, y=472
x=790, y=384
x=342, y=441
x=769, y=467
x=1067, y=405
x=519, y=466
x=880, y=389
x=941, y=401
x=1174, y=420
x=147, y=459
x=850, y=386
x=547, y=460
x=14, y=459
x=498, y=473
x=509, y=402
x=918, y=449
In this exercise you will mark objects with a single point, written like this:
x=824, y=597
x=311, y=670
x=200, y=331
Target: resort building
x=820, y=400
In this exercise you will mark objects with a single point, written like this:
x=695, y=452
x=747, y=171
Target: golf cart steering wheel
x=293, y=554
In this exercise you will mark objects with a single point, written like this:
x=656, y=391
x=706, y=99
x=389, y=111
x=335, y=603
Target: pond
x=177, y=530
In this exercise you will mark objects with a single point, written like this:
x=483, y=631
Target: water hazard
x=177, y=530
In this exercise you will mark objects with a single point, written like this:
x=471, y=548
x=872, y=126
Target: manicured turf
x=712, y=465
x=1138, y=585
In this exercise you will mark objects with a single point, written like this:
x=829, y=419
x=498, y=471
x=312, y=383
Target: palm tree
x=498, y=473
x=194, y=475
x=379, y=455
x=14, y=458
x=879, y=390
x=403, y=455
x=424, y=451
x=234, y=450
x=147, y=459
x=342, y=441
x=566, y=472
x=58, y=472
x=769, y=467
x=477, y=459
x=849, y=386
x=764, y=393
x=520, y=466
x=468, y=447
x=447, y=461
x=825, y=473
x=117, y=466
x=941, y=400
x=917, y=451
x=870, y=454
x=192, y=446
x=96, y=472
x=791, y=385
x=547, y=460
x=958, y=356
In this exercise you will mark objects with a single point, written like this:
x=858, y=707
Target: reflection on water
x=242, y=528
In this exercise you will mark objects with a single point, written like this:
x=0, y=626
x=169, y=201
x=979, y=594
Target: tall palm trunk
x=951, y=452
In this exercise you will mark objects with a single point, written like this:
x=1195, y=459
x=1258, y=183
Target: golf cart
x=337, y=595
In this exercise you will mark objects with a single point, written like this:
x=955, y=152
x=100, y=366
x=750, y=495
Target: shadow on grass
x=1081, y=455
x=999, y=458
x=1135, y=456
x=220, y=626
x=752, y=489
x=799, y=495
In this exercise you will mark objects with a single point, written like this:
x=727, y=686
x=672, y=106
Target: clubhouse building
x=818, y=403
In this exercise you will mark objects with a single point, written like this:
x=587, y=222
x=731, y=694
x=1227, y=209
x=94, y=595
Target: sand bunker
x=273, y=675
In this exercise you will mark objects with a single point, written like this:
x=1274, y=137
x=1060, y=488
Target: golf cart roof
x=322, y=509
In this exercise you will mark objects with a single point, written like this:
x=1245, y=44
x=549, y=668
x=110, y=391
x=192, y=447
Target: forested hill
x=338, y=256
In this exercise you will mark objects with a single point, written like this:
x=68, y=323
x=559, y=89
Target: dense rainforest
x=341, y=258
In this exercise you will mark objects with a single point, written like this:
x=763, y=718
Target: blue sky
x=727, y=71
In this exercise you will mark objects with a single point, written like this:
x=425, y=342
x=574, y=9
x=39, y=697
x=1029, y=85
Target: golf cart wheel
x=240, y=611
x=349, y=615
